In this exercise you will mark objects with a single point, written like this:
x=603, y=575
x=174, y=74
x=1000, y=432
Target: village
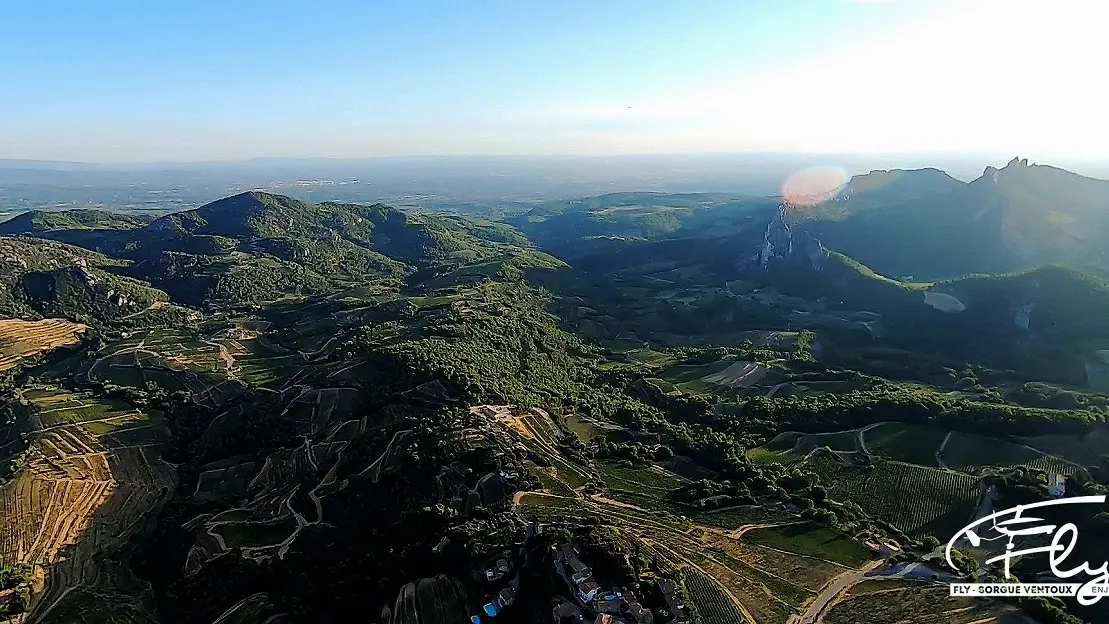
x=601, y=605
x=586, y=601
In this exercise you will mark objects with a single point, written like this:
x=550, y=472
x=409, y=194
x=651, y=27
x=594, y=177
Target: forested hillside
x=269, y=411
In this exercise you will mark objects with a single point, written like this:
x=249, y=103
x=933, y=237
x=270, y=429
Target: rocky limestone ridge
x=1015, y=164
x=781, y=242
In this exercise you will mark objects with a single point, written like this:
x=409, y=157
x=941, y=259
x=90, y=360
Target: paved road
x=814, y=611
x=833, y=589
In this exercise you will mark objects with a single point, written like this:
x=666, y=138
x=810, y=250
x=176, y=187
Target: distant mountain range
x=919, y=224
x=927, y=225
x=886, y=256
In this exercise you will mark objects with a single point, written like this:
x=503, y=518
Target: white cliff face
x=781, y=242
x=777, y=241
x=1023, y=315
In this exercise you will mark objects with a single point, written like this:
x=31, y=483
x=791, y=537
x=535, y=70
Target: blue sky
x=206, y=80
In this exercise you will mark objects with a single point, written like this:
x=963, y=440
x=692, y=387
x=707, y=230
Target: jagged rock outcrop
x=777, y=241
x=784, y=243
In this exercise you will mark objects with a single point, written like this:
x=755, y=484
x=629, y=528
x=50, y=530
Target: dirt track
x=738, y=375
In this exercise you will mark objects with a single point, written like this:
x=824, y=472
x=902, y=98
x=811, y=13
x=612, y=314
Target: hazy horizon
x=207, y=81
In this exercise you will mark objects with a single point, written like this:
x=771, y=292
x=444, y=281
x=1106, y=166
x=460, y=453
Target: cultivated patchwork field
x=92, y=473
x=282, y=493
x=923, y=479
x=195, y=363
x=732, y=575
x=742, y=564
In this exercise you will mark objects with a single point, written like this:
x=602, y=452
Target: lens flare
x=813, y=185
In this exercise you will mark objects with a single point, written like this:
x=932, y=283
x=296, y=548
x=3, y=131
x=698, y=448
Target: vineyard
x=971, y=453
x=916, y=499
x=712, y=604
x=98, y=416
x=790, y=448
x=178, y=360
x=21, y=339
x=1085, y=449
x=811, y=540
x=771, y=585
x=913, y=444
x=536, y=432
x=79, y=498
x=643, y=481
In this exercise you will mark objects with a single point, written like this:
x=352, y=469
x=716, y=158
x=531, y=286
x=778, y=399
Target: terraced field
x=180, y=360
x=21, y=339
x=260, y=362
x=536, y=432
x=643, y=481
x=811, y=540
x=178, y=347
x=276, y=497
x=137, y=367
x=91, y=477
x=731, y=579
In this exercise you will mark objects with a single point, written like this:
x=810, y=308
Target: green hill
x=46, y=278
x=1065, y=305
x=40, y=221
x=256, y=247
x=292, y=229
x=100, y=230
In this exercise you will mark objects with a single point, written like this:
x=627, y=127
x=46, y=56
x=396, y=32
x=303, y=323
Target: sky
x=141, y=81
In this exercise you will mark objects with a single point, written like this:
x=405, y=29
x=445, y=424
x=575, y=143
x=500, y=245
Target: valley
x=269, y=411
